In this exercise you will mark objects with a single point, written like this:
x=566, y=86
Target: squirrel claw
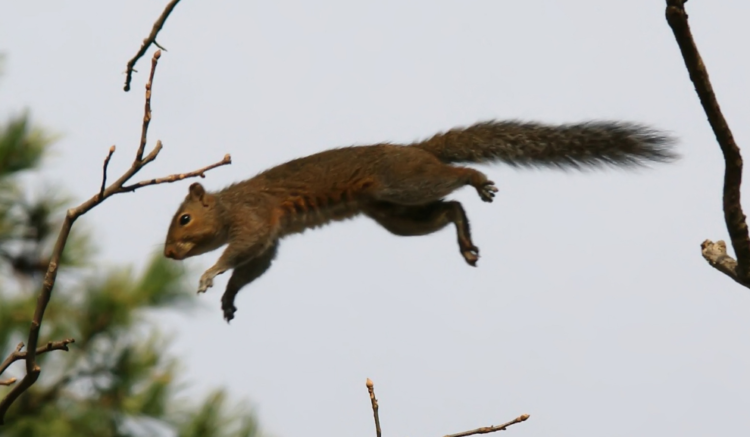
x=206, y=282
x=487, y=191
x=229, y=309
x=470, y=254
x=229, y=312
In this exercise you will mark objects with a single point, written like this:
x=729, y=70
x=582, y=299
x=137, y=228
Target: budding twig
x=147, y=107
x=148, y=41
x=489, y=429
x=483, y=430
x=104, y=171
x=374, y=402
x=179, y=176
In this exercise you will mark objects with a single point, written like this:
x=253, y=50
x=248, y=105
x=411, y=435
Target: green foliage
x=117, y=379
x=209, y=417
x=21, y=147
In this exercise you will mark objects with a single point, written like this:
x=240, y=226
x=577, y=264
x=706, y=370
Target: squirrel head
x=196, y=227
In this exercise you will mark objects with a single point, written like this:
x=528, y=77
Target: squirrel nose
x=169, y=252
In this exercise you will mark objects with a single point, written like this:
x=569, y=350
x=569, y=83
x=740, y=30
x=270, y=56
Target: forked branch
x=18, y=355
x=715, y=253
x=483, y=430
x=117, y=187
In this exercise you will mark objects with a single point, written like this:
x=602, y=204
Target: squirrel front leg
x=238, y=252
x=243, y=275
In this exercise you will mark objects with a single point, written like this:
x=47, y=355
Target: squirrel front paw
x=206, y=282
x=227, y=305
x=229, y=310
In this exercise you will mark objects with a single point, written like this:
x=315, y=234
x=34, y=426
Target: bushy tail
x=589, y=144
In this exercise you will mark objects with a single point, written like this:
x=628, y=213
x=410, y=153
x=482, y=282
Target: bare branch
x=11, y=358
x=148, y=41
x=160, y=47
x=117, y=187
x=374, y=402
x=717, y=257
x=733, y=215
x=483, y=430
x=104, y=171
x=18, y=355
x=147, y=107
x=180, y=176
x=489, y=429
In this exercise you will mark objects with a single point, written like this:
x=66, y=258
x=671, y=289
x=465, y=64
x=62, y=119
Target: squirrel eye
x=184, y=219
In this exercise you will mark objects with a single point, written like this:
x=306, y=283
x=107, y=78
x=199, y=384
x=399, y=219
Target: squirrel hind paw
x=470, y=254
x=487, y=191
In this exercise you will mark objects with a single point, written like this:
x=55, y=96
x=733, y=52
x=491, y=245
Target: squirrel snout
x=178, y=250
x=170, y=252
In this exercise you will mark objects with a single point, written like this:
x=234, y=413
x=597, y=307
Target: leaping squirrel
x=401, y=187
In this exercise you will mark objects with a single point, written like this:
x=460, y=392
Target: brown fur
x=400, y=187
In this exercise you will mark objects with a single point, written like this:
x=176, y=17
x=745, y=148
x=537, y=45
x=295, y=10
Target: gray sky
x=591, y=309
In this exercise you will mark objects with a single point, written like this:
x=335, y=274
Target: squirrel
x=401, y=187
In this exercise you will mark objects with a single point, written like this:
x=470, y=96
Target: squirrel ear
x=197, y=191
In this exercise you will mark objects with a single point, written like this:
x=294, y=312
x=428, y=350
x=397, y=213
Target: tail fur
x=580, y=145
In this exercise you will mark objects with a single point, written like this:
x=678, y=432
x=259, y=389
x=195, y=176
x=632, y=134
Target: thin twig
x=147, y=107
x=18, y=355
x=104, y=171
x=8, y=361
x=374, y=402
x=148, y=41
x=489, y=429
x=733, y=215
x=159, y=46
x=117, y=187
x=179, y=176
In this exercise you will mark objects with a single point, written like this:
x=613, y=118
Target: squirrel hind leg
x=422, y=178
x=451, y=178
x=411, y=220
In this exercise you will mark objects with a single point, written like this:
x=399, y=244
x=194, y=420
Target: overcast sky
x=591, y=309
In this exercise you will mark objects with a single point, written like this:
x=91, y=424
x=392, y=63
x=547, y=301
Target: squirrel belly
x=401, y=187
